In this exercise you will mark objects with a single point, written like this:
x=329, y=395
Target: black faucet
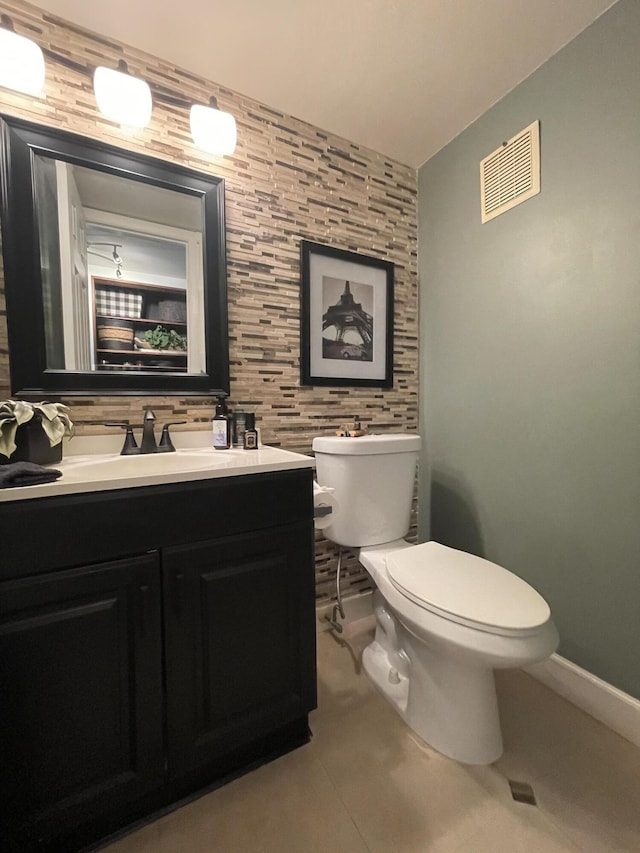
x=148, y=444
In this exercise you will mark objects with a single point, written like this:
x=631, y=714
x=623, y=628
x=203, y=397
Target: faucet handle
x=166, y=445
x=129, y=447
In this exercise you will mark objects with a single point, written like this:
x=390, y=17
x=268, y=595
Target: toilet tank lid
x=367, y=445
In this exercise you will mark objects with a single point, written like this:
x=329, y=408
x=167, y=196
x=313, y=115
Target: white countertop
x=96, y=472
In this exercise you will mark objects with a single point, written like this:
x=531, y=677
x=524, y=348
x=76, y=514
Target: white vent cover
x=511, y=174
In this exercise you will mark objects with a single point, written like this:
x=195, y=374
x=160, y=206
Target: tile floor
x=367, y=783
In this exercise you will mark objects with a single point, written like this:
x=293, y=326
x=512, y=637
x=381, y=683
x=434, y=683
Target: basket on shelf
x=168, y=310
x=115, y=333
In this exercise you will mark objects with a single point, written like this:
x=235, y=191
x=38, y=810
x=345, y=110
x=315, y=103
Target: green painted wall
x=530, y=361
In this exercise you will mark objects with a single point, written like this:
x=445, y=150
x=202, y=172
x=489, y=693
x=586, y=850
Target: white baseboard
x=617, y=710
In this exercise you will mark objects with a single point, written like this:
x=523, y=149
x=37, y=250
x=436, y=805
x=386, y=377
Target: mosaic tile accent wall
x=286, y=181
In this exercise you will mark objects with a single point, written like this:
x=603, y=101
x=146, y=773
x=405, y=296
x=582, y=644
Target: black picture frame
x=355, y=292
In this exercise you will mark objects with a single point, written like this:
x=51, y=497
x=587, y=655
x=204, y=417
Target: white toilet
x=445, y=619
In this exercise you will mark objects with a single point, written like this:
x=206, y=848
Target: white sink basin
x=148, y=464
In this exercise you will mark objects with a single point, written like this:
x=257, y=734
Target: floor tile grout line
x=344, y=805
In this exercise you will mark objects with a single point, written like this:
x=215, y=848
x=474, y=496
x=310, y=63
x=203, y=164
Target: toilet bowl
x=440, y=635
x=445, y=619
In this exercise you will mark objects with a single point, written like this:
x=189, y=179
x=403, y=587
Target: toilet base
x=393, y=685
x=452, y=706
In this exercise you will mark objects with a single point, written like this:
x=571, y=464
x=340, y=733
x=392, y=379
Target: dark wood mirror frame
x=30, y=376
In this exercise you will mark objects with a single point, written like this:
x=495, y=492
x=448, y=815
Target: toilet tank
x=373, y=477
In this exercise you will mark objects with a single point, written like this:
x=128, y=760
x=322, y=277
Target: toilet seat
x=466, y=589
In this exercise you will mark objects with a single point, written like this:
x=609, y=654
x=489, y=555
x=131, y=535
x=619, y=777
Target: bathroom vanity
x=156, y=636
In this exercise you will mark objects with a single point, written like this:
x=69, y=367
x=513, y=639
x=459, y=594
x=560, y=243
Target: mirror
x=115, y=270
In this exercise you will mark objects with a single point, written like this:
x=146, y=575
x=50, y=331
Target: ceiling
x=402, y=77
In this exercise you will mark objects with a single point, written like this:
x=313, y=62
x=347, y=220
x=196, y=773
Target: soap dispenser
x=221, y=424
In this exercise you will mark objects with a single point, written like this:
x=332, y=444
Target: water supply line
x=337, y=607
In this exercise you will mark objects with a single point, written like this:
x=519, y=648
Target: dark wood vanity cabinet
x=81, y=692
x=235, y=668
x=130, y=682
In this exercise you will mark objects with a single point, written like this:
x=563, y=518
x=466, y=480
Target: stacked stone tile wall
x=287, y=181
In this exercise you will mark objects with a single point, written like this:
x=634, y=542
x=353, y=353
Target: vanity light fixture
x=21, y=61
x=212, y=129
x=122, y=97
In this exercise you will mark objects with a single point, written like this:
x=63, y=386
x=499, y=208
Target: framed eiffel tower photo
x=346, y=318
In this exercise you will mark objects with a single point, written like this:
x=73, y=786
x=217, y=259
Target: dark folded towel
x=26, y=474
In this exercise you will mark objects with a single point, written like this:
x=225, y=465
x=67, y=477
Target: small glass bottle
x=239, y=423
x=221, y=425
x=250, y=432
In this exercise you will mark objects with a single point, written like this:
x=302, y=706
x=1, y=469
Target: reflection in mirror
x=121, y=271
x=131, y=268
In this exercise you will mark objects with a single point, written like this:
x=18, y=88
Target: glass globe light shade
x=122, y=97
x=213, y=130
x=21, y=64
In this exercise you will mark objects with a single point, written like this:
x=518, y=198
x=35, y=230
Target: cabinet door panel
x=81, y=687
x=240, y=659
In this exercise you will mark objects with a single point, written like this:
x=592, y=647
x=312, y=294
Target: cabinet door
x=81, y=696
x=240, y=642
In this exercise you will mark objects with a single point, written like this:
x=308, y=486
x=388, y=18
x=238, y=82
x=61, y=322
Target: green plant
x=161, y=338
x=53, y=418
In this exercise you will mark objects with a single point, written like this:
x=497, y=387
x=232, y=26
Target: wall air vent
x=511, y=174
